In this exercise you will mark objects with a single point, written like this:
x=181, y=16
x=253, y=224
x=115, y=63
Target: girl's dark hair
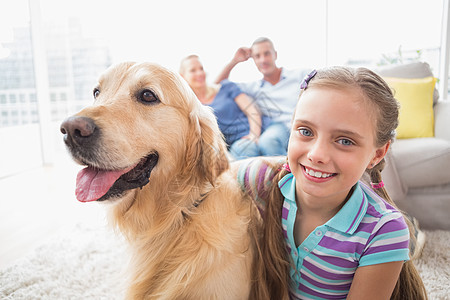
x=378, y=96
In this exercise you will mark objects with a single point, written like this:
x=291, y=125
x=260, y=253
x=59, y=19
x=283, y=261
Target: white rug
x=86, y=263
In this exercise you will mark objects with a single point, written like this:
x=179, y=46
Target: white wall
x=20, y=149
x=166, y=31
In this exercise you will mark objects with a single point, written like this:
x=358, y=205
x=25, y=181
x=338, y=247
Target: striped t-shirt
x=365, y=231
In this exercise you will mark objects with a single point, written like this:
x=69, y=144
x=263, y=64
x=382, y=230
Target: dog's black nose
x=78, y=130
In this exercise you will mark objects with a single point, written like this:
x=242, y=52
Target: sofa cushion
x=415, y=95
x=410, y=70
x=422, y=162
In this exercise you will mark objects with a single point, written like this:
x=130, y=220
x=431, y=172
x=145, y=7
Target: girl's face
x=332, y=142
x=194, y=73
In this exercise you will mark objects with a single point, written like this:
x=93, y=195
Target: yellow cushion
x=416, y=106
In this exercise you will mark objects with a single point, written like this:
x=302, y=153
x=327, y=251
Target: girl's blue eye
x=305, y=132
x=345, y=142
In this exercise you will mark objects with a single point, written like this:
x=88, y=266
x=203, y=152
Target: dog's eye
x=148, y=97
x=96, y=92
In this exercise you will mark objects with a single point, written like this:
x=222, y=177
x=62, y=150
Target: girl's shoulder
x=255, y=177
x=377, y=206
x=258, y=170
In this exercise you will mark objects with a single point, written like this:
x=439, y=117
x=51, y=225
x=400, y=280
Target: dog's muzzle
x=81, y=137
x=79, y=131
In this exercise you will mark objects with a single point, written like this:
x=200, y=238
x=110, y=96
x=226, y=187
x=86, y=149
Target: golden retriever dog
x=156, y=154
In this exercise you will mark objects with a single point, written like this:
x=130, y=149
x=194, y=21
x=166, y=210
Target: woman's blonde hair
x=182, y=68
x=210, y=89
x=380, y=99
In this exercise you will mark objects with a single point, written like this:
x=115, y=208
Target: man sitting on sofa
x=276, y=93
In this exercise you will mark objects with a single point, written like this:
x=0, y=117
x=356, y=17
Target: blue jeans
x=272, y=142
x=244, y=148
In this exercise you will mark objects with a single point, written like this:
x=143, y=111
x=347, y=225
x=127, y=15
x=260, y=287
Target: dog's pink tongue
x=93, y=184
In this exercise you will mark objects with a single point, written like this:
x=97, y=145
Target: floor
x=36, y=204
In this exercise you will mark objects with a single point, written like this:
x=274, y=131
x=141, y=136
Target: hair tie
x=307, y=79
x=286, y=167
x=378, y=185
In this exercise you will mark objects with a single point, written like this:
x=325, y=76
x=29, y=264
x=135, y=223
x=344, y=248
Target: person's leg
x=244, y=148
x=274, y=140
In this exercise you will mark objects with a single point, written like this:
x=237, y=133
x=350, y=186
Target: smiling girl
x=343, y=239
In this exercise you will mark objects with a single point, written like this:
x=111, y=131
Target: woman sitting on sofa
x=238, y=116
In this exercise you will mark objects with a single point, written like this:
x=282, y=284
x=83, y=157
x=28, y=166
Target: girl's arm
x=375, y=281
x=250, y=109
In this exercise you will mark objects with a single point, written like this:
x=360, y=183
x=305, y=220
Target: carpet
x=86, y=262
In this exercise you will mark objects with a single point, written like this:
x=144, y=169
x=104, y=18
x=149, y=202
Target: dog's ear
x=206, y=152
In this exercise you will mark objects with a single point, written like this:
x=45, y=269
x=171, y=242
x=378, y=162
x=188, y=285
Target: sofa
x=417, y=172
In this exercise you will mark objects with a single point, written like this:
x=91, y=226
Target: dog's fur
x=192, y=230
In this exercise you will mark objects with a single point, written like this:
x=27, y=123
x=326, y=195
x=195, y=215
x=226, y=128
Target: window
x=374, y=33
x=81, y=41
x=12, y=99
